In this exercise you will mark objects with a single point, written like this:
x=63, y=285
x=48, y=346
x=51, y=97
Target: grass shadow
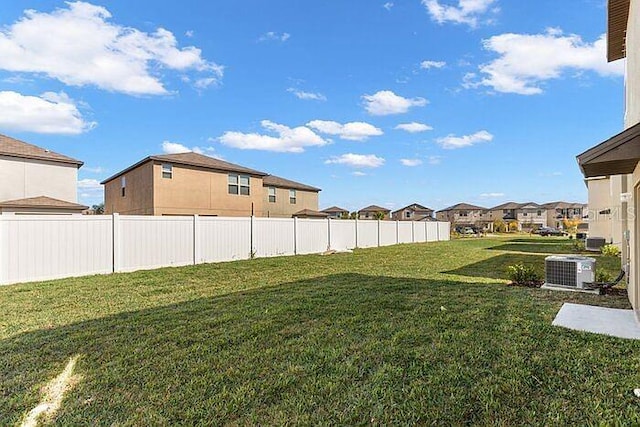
x=557, y=247
x=343, y=349
x=496, y=266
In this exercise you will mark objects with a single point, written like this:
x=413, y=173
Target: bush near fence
x=40, y=247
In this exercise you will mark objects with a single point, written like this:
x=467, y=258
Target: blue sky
x=375, y=102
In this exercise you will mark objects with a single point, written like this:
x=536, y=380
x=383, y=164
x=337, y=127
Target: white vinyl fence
x=45, y=247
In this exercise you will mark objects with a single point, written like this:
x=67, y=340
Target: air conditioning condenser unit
x=570, y=272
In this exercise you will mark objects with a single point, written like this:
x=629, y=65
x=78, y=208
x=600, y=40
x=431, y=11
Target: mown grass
x=423, y=334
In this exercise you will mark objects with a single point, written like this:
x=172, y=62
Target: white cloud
x=52, y=113
x=358, y=173
x=411, y=162
x=467, y=12
x=357, y=160
x=307, y=95
x=427, y=65
x=527, y=60
x=273, y=36
x=169, y=147
x=413, y=127
x=96, y=169
x=79, y=46
x=452, y=142
x=189, y=33
x=89, y=184
x=354, y=131
x=435, y=160
x=385, y=102
x=491, y=195
x=388, y=5
x=291, y=140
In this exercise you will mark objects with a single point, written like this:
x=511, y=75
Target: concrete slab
x=598, y=320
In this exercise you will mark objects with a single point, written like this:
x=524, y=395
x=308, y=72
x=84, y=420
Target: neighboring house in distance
x=310, y=214
x=413, y=212
x=284, y=198
x=370, y=212
x=195, y=184
x=557, y=211
x=36, y=180
x=617, y=160
x=463, y=214
x=336, y=212
x=526, y=215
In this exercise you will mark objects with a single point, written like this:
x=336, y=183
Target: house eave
x=619, y=155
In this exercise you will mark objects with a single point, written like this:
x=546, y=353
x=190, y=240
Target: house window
x=239, y=184
x=539, y=213
x=292, y=197
x=407, y=214
x=272, y=194
x=123, y=185
x=167, y=171
x=464, y=213
x=525, y=214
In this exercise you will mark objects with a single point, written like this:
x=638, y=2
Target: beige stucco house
x=36, y=180
x=612, y=168
x=413, y=212
x=335, y=212
x=557, y=212
x=526, y=215
x=370, y=212
x=463, y=214
x=195, y=184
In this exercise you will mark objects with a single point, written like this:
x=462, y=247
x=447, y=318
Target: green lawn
x=426, y=333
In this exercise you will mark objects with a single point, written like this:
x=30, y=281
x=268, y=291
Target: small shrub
x=570, y=236
x=610, y=250
x=603, y=277
x=521, y=274
x=578, y=246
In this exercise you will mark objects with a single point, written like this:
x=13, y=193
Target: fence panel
x=273, y=237
x=367, y=234
x=444, y=231
x=432, y=231
x=147, y=242
x=46, y=247
x=223, y=239
x=405, y=232
x=343, y=234
x=388, y=233
x=419, y=231
x=312, y=236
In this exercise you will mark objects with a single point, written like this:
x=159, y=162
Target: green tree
x=98, y=209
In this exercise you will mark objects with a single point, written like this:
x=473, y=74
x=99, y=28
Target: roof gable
x=276, y=181
x=374, y=208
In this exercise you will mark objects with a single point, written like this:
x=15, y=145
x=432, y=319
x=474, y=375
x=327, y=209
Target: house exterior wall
x=196, y=191
x=371, y=215
x=24, y=178
x=456, y=217
x=601, y=199
x=282, y=208
x=416, y=215
x=530, y=216
x=138, y=199
x=630, y=218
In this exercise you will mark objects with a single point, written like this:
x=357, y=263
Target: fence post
x=251, y=249
x=426, y=231
x=413, y=232
x=356, y=232
x=378, y=233
x=397, y=232
x=3, y=272
x=295, y=235
x=196, y=239
x=438, y=231
x=328, y=234
x=115, y=224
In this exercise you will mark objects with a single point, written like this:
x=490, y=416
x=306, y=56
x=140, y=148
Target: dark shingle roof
x=192, y=159
x=333, y=209
x=508, y=205
x=463, y=207
x=374, y=208
x=415, y=207
x=311, y=213
x=16, y=148
x=41, y=202
x=276, y=181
